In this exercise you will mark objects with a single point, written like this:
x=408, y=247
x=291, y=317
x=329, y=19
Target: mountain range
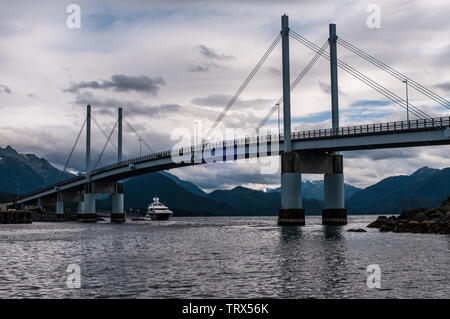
x=427, y=187
x=23, y=173
x=184, y=198
x=315, y=190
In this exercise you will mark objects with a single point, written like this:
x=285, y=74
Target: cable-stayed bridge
x=313, y=151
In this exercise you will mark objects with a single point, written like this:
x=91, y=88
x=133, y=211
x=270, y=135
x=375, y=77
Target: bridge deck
x=423, y=132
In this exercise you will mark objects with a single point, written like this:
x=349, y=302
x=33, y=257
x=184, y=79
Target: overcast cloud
x=171, y=63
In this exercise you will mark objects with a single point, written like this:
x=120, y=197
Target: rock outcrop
x=417, y=220
x=357, y=230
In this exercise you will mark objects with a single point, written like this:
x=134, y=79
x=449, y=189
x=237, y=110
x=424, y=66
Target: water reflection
x=289, y=234
x=332, y=232
x=214, y=257
x=291, y=259
x=333, y=264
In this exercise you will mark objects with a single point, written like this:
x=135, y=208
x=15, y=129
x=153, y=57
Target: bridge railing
x=51, y=187
x=397, y=126
x=367, y=129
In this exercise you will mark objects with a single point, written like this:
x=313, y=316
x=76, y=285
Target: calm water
x=220, y=257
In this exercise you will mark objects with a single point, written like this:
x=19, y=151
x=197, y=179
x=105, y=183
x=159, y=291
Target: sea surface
x=214, y=257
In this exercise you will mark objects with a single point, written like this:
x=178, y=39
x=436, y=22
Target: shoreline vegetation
x=417, y=220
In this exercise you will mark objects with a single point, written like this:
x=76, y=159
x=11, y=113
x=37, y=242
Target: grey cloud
x=199, y=68
x=274, y=70
x=131, y=108
x=381, y=154
x=221, y=100
x=122, y=83
x=211, y=54
x=5, y=89
x=324, y=87
x=443, y=86
x=55, y=145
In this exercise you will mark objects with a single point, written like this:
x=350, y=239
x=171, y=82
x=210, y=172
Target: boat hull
x=161, y=216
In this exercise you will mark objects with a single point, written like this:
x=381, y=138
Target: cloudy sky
x=169, y=65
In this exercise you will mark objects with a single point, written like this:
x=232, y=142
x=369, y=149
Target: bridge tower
x=291, y=212
x=88, y=214
x=334, y=212
x=118, y=212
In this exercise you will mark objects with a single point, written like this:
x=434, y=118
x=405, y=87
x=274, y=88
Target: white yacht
x=157, y=211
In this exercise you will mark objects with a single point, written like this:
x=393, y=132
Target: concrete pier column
x=59, y=204
x=89, y=213
x=118, y=211
x=59, y=208
x=80, y=208
x=291, y=211
x=334, y=212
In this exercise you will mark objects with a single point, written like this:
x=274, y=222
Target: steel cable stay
x=432, y=95
x=389, y=94
x=103, y=131
x=71, y=152
x=139, y=136
x=370, y=83
x=293, y=85
x=242, y=87
x=106, y=144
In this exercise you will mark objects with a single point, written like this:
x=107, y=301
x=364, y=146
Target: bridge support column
x=118, y=211
x=80, y=208
x=59, y=208
x=291, y=211
x=89, y=214
x=334, y=212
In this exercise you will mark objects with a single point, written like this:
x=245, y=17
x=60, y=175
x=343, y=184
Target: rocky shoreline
x=417, y=220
